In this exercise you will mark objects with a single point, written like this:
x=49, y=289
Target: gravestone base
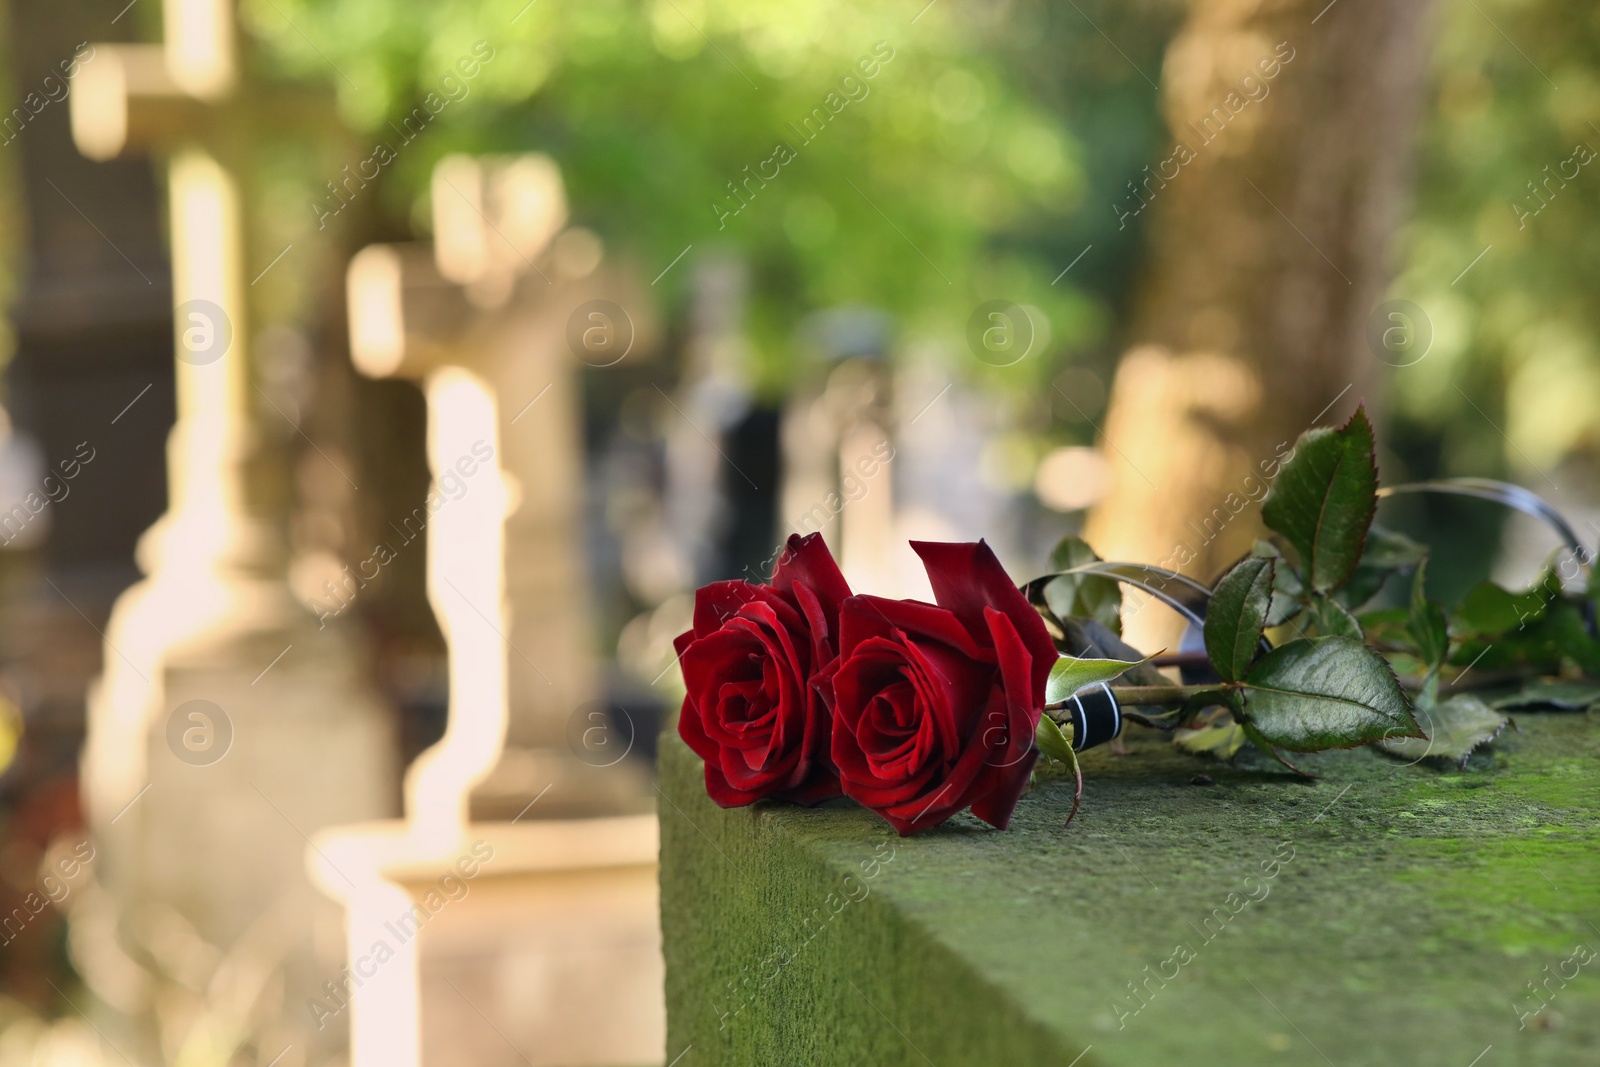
x=550, y=956
x=1382, y=914
x=212, y=844
x=548, y=783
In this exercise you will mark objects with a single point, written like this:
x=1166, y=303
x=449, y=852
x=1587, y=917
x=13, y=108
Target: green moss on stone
x=1418, y=905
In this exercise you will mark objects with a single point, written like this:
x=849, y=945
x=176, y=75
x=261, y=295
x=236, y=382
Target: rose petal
x=996, y=807
x=724, y=794
x=693, y=734
x=807, y=560
x=967, y=578
x=719, y=601
x=954, y=687
x=751, y=711
x=970, y=777
x=952, y=705
x=863, y=617
x=1017, y=677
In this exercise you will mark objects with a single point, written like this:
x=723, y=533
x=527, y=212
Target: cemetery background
x=695, y=276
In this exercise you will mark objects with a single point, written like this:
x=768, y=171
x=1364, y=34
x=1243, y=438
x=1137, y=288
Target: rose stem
x=1140, y=695
x=1137, y=695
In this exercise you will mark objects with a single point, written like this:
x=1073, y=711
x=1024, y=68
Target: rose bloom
x=750, y=664
x=936, y=705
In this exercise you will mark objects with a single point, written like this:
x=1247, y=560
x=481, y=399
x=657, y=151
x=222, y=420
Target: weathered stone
x=561, y=956
x=226, y=725
x=1415, y=907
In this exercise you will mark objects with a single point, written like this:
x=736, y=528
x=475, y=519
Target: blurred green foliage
x=975, y=164
x=1511, y=385
x=981, y=160
x=1517, y=91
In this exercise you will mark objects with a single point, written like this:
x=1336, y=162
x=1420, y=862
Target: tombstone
x=879, y=452
x=713, y=397
x=91, y=376
x=1256, y=921
x=709, y=466
x=552, y=957
x=942, y=427
x=227, y=724
x=838, y=447
x=481, y=300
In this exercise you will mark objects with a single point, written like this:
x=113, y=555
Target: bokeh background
x=1043, y=268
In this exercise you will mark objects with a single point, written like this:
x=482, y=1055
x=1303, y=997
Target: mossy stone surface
x=1419, y=910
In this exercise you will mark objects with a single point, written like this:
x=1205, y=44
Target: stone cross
x=225, y=727
x=504, y=300
x=490, y=320
x=92, y=333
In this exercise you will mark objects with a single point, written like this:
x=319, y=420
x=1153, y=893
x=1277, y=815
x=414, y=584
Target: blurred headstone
x=91, y=376
x=228, y=724
x=706, y=509
x=556, y=946
x=483, y=303
x=880, y=452
x=713, y=398
x=837, y=447
x=944, y=430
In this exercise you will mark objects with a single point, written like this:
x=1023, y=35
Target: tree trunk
x=1292, y=123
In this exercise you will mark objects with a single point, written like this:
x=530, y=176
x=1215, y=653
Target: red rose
x=935, y=707
x=752, y=710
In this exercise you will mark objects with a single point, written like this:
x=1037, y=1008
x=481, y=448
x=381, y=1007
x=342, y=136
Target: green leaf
x=1070, y=674
x=1238, y=613
x=1221, y=740
x=1454, y=728
x=1085, y=637
x=1071, y=551
x=1332, y=619
x=1552, y=637
x=1324, y=692
x=1324, y=499
x=1387, y=554
x=1385, y=626
x=1178, y=591
x=1082, y=596
x=1392, y=550
x=1552, y=693
x=1056, y=744
x=1426, y=623
x=1288, y=587
x=1429, y=694
x=1053, y=741
x=1363, y=587
x=1489, y=611
x=1268, y=749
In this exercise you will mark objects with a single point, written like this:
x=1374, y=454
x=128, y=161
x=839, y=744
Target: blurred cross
x=184, y=100
x=493, y=321
x=507, y=300
x=215, y=621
